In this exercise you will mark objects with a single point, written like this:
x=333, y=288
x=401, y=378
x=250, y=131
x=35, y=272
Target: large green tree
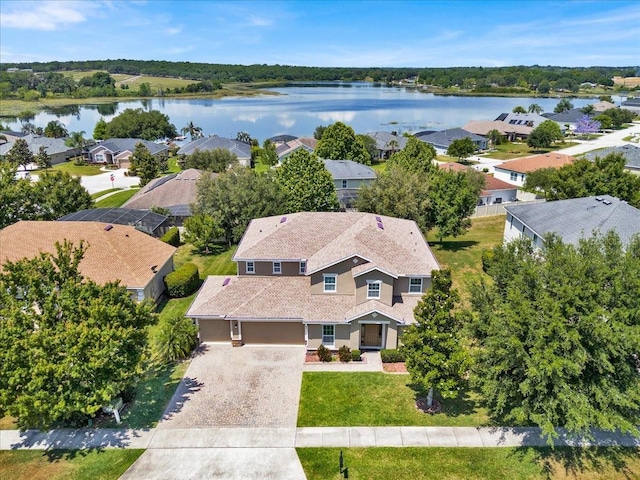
x=461, y=148
x=433, y=346
x=582, y=178
x=236, y=197
x=268, y=153
x=42, y=159
x=416, y=156
x=101, y=131
x=67, y=345
x=544, y=135
x=214, y=160
x=151, y=125
x=340, y=142
x=19, y=154
x=55, y=129
x=306, y=183
x=563, y=105
x=143, y=164
x=558, y=334
x=202, y=231
x=56, y=194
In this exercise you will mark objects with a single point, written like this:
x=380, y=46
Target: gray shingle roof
x=349, y=170
x=570, y=116
x=52, y=145
x=579, y=217
x=630, y=152
x=444, y=138
x=240, y=149
x=117, y=145
x=383, y=138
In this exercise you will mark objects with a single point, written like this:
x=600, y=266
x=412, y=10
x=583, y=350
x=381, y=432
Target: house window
x=328, y=335
x=277, y=268
x=330, y=281
x=535, y=239
x=373, y=288
x=513, y=177
x=522, y=177
x=344, y=184
x=415, y=285
x=251, y=267
x=523, y=227
x=99, y=157
x=303, y=268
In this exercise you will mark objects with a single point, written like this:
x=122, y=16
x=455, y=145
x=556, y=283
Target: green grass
x=508, y=151
x=376, y=399
x=117, y=199
x=463, y=255
x=471, y=463
x=104, y=192
x=261, y=167
x=379, y=167
x=78, y=170
x=64, y=464
x=214, y=264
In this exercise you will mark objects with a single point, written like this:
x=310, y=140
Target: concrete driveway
x=247, y=386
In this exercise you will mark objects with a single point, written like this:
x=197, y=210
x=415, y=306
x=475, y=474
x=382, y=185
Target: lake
x=300, y=108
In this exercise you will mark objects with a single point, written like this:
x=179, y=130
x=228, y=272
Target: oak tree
x=340, y=142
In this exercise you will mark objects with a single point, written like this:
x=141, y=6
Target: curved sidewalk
x=487, y=437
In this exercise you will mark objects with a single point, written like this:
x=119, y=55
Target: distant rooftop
x=349, y=170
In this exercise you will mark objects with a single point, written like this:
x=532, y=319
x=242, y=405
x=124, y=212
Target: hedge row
x=392, y=356
x=183, y=282
x=172, y=237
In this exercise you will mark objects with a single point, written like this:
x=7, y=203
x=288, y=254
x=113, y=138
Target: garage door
x=273, y=333
x=214, y=331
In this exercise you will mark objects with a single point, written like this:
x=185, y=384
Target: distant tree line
x=481, y=79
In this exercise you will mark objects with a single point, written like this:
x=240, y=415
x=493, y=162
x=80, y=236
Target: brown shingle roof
x=536, y=162
x=453, y=166
x=493, y=183
x=483, y=127
x=325, y=238
x=287, y=298
x=120, y=253
x=180, y=189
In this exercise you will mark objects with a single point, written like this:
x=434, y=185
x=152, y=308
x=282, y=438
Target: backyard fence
x=498, y=208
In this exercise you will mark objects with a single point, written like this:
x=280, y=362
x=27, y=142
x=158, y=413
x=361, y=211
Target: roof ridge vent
x=606, y=202
x=599, y=199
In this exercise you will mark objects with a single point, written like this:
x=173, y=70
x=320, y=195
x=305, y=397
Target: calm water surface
x=299, y=109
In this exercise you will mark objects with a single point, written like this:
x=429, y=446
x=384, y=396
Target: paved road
x=102, y=181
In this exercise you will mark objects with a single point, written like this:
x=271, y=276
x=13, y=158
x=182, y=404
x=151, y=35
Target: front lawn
x=472, y=463
x=78, y=170
x=117, y=199
x=509, y=151
x=463, y=254
x=63, y=464
x=104, y=192
x=341, y=399
x=220, y=263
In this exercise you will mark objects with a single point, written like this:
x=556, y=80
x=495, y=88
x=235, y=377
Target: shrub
x=344, y=353
x=356, y=355
x=177, y=338
x=324, y=354
x=392, y=356
x=183, y=282
x=487, y=259
x=80, y=161
x=172, y=237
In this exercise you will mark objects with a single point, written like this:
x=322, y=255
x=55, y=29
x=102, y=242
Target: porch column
x=384, y=335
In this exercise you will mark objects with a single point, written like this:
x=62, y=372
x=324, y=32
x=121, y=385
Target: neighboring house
x=348, y=177
x=118, y=151
x=387, y=143
x=326, y=278
x=115, y=252
x=239, y=149
x=148, y=222
x=600, y=107
x=568, y=119
x=175, y=192
x=278, y=139
x=285, y=149
x=531, y=120
x=630, y=152
x=495, y=190
x=572, y=219
x=55, y=147
x=515, y=171
x=632, y=104
x=510, y=132
x=442, y=139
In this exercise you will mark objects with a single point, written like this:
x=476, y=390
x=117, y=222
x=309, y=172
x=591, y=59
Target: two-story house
x=348, y=177
x=326, y=278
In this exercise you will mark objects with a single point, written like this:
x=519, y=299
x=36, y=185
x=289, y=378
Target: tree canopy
x=214, y=160
x=101, y=130
x=563, y=106
x=55, y=129
x=461, y=148
x=545, y=134
x=143, y=164
x=340, y=142
x=558, y=334
x=67, y=345
x=306, y=183
x=151, y=125
x=236, y=197
x=582, y=178
x=19, y=154
x=416, y=156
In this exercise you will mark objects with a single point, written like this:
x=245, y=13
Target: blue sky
x=326, y=33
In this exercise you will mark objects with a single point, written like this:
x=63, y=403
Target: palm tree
x=76, y=141
x=194, y=131
x=243, y=137
x=55, y=129
x=535, y=108
x=393, y=144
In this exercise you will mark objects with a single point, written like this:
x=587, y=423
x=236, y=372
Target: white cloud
x=47, y=15
x=174, y=30
x=256, y=21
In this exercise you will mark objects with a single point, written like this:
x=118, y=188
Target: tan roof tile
x=120, y=253
x=179, y=189
x=537, y=162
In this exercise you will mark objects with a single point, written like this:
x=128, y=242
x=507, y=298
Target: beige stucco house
x=114, y=252
x=332, y=278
